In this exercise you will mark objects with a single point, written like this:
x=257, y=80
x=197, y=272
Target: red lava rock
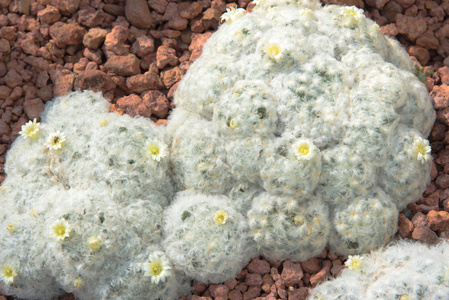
x=171, y=76
x=251, y=293
x=199, y=288
x=4, y=128
x=144, y=82
x=91, y=17
x=439, y=130
x=62, y=82
x=259, y=266
x=115, y=40
x=5, y=47
x=320, y=276
x=114, y=9
x=5, y=91
x=438, y=220
x=442, y=181
x=29, y=46
x=425, y=234
x=267, y=282
x=45, y=93
x=420, y=53
x=444, y=74
x=235, y=295
x=67, y=34
x=311, y=266
x=132, y=104
x=253, y=279
x=158, y=5
x=378, y=4
x=298, y=294
x=410, y=26
x=242, y=287
x=211, y=18
x=123, y=65
x=291, y=273
x=33, y=108
x=405, y=226
x=94, y=80
x=190, y=10
x=431, y=199
x=158, y=104
x=390, y=30
x=13, y=78
x=219, y=291
x=49, y=15
x=138, y=14
x=67, y=7
x=219, y=5
x=337, y=266
x=428, y=40
x=196, y=46
x=440, y=96
x=93, y=55
x=166, y=56
x=231, y=283
x=419, y=220
x=143, y=46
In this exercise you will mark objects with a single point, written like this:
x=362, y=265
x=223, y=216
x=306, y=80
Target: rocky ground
x=136, y=55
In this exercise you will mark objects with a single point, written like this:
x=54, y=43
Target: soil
x=136, y=57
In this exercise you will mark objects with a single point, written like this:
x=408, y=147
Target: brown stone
x=425, y=234
x=138, y=14
x=438, y=220
x=49, y=15
x=235, y=295
x=91, y=17
x=267, y=282
x=428, y=41
x=211, y=18
x=115, y=40
x=29, y=46
x=410, y=26
x=62, y=82
x=405, y=226
x=311, y=266
x=123, y=65
x=142, y=46
x=39, y=63
x=94, y=80
x=13, y=78
x=420, y=53
x=114, y=9
x=219, y=291
x=291, y=273
x=68, y=7
x=132, y=105
x=67, y=34
x=298, y=294
x=171, y=76
x=260, y=266
x=199, y=288
x=46, y=93
x=253, y=279
x=5, y=91
x=440, y=96
x=4, y=128
x=251, y=293
x=189, y=10
x=390, y=30
x=321, y=276
x=419, y=220
x=197, y=44
x=157, y=103
x=144, y=82
x=378, y=4
x=442, y=181
x=166, y=56
x=33, y=108
x=231, y=283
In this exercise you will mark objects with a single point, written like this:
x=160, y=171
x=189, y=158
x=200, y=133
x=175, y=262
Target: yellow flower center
x=421, y=148
x=78, y=282
x=8, y=272
x=103, y=122
x=59, y=229
x=273, y=50
x=404, y=297
x=351, y=11
x=304, y=149
x=233, y=124
x=221, y=217
x=298, y=219
x=10, y=227
x=156, y=268
x=56, y=140
x=154, y=149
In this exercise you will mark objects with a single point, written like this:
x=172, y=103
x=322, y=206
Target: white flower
x=55, y=140
x=352, y=16
x=232, y=14
x=354, y=262
x=304, y=149
x=30, y=129
x=158, y=267
x=274, y=51
x=421, y=149
x=156, y=149
x=60, y=229
x=7, y=274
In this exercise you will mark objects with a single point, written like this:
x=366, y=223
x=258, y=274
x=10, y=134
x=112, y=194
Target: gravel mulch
x=137, y=54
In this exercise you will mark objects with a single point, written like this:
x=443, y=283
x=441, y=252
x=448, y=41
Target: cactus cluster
x=402, y=270
x=299, y=128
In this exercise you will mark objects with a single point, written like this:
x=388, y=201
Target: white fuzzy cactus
x=401, y=270
x=206, y=237
x=306, y=102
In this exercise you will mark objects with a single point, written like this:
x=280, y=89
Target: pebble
x=123, y=65
x=138, y=14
